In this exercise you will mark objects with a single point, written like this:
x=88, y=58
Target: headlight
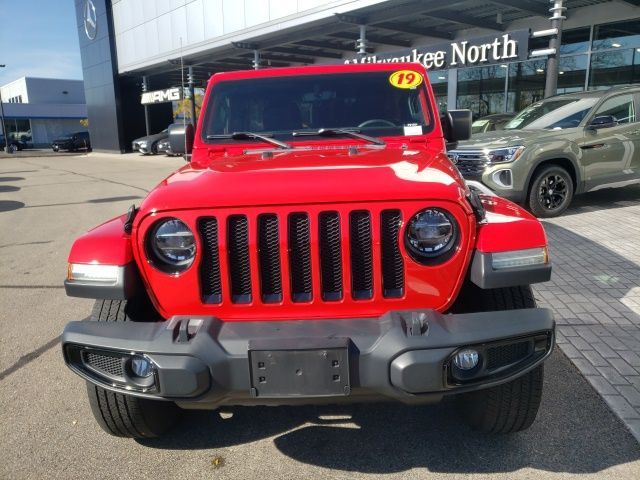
x=431, y=236
x=142, y=144
x=504, y=155
x=171, y=246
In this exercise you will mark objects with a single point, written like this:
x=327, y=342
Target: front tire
x=551, y=192
x=124, y=415
x=513, y=406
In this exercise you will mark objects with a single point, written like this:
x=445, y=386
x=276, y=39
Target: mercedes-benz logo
x=90, y=21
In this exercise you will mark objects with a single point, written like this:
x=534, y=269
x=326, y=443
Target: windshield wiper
x=257, y=136
x=331, y=132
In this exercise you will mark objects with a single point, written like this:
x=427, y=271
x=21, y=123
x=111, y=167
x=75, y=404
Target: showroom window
x=575, y=41
x=572, y=73
x=614, y=67
x=617, y=35
x=481, y=89
x=439, y=80
x=620, y=107
x=526, y=84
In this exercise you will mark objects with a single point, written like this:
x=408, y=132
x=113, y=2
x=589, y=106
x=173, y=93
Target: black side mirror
x=181, y=138
x=456, y=125
x=603, y=121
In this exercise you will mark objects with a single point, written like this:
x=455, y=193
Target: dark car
x=491, y=123
x=72, y=142
x=164, y=146
x=149, y=144
x=13, y=145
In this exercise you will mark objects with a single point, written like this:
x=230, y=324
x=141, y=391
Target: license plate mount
x=299, y=368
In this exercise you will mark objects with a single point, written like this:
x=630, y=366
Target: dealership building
x=39, y=110
x=490, y=56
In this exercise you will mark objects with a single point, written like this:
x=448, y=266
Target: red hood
x=310, y=176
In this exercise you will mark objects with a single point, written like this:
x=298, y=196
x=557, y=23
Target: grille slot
x=300, y=257
x=392, y=263
x=104, y=363
x=361, y=255
x=269, y=257
x=239, y=264
x=330, y=256
x=210, y=282
x=504, y=355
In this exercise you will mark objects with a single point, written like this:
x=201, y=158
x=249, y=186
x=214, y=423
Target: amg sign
x=464, y=53
x=161, y=96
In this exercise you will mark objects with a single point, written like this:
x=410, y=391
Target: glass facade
x=439, y=82
x=594, y=57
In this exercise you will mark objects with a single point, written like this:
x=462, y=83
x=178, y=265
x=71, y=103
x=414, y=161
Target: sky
x=38, y=38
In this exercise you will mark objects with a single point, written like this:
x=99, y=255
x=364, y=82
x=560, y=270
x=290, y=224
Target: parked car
x=72, y=142
x=313, y=259
x=13, y=144
x=149, y=144
x=164, y=146
x=559, y=147
x=491, y=123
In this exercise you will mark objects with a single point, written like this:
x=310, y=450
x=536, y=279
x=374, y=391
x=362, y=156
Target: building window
x=439, y=80
x=572, y=73
x=526, y=84
x=575, y=41
x=481, y=89
x=614, y=67
x=617, y=35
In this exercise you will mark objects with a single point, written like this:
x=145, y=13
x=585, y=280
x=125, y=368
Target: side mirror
x=603, y=121
x=456, y=125
x=181, y=138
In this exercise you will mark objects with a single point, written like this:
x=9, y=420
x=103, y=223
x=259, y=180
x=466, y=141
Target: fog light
x=466, y=359
x=141, y=366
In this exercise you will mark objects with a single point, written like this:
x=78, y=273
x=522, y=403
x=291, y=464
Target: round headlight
x=430, y=235
x=173, y=247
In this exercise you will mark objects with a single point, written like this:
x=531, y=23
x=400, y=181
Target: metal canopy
x=397, y=23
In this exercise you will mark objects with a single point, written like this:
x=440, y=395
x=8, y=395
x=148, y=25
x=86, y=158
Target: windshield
x=278, y=106
x=557, y=113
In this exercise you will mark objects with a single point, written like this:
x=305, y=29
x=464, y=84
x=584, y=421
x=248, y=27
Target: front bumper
x=203, y=362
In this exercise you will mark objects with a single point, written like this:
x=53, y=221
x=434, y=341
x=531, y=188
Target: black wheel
x=56, y=148
x=551, y=192
x=124, y=415
x=12, y=148
x=513, y=406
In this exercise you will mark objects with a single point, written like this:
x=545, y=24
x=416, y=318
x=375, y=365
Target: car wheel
x=56, y=148
x=512, y=406
x=12, y=148
x=124, y=415
x=551, y=192
x=154, y=149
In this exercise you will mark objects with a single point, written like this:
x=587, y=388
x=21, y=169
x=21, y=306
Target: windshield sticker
x=413, y=129
x=405, y=79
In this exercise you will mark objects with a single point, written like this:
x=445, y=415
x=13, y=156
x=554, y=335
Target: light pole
x=4, y=130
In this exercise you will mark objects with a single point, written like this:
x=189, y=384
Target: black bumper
x=202, y=362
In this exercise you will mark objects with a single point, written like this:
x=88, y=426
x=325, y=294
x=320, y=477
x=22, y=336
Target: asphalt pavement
x=47, y=430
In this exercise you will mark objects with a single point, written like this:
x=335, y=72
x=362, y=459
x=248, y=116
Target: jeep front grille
x=303, y=252
x=469, y=162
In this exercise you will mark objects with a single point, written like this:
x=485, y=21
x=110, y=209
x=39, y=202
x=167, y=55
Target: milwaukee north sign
x=507, y=47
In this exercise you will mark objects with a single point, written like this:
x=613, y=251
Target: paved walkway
x=595, y=293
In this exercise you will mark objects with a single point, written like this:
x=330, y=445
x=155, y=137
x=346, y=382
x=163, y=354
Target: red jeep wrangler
x=319, y=247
